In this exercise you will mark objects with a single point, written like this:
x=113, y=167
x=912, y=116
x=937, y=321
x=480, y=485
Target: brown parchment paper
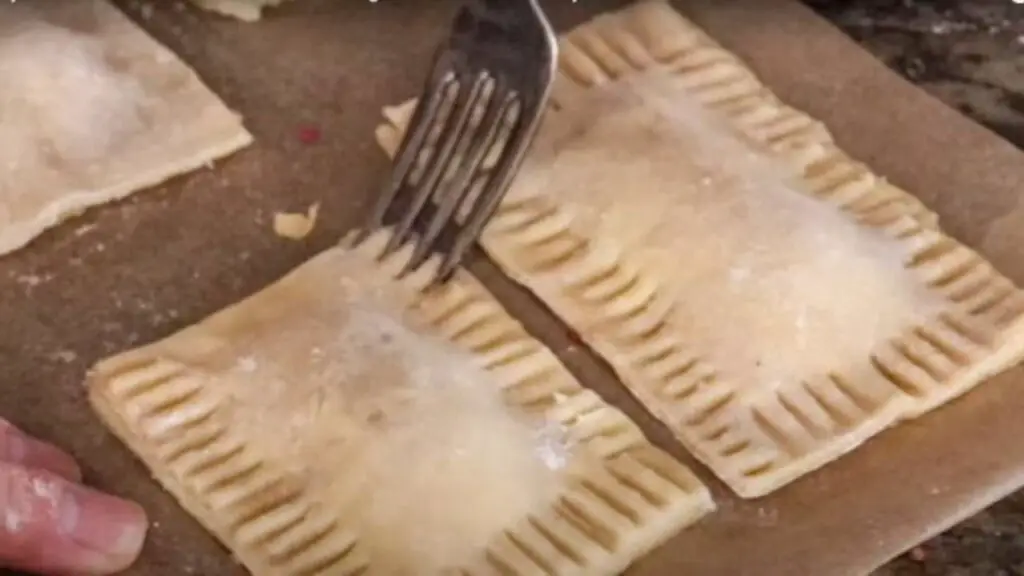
x=310, y=81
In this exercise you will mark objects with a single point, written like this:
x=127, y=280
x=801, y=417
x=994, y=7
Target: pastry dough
x=769, y=298
x=345, y=419
x=93, y=109
x=246, y=10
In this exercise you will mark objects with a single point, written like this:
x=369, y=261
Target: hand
x=51, y=524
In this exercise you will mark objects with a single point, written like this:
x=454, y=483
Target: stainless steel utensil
x=483, y=100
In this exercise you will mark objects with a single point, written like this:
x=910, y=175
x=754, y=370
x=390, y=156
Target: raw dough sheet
x=768, y=297
x=93, y=109
x=343, y=419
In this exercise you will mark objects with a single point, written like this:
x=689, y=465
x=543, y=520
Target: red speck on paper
x=309, y=135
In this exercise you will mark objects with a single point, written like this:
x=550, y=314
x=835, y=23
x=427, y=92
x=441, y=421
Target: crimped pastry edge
x=532, y=237
x=133, y=392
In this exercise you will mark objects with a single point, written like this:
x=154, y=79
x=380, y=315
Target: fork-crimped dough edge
x=809, y=423
x=637, y=498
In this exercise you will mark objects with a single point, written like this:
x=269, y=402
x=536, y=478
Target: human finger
x=16, y=447
x=52, y=526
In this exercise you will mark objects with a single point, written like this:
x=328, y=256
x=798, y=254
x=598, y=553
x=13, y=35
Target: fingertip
x=114, y=528
x=51, y=525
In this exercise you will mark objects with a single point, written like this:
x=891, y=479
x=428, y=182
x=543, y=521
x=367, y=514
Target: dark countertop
x=969, y=53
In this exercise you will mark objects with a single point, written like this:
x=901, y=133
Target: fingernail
x=104, y=524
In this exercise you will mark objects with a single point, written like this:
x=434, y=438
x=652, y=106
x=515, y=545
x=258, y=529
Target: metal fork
x=484, y=98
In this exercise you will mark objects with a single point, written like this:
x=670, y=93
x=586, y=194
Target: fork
x=483, y=101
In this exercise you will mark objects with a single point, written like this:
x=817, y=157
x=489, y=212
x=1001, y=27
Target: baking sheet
x=310, y=81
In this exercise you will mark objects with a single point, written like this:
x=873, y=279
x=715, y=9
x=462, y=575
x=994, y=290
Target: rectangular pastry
x=94, y=109
x=770, y=299
x=347, y=421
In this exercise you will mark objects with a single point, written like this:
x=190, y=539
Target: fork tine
x=459, y=187
x=437, y=188
x=490, y=195
x=450, y=142
x=420, y=126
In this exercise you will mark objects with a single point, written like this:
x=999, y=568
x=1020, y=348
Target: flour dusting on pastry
x=91, y=110
x=441, y=432
x=61, y=94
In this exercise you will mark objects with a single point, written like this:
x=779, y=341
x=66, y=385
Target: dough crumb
x=295, y=225
x=244, y=10
x=64, y=356
x=31, y=280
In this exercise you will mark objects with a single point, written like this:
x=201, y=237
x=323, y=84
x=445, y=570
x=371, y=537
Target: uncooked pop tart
x=765, y=295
